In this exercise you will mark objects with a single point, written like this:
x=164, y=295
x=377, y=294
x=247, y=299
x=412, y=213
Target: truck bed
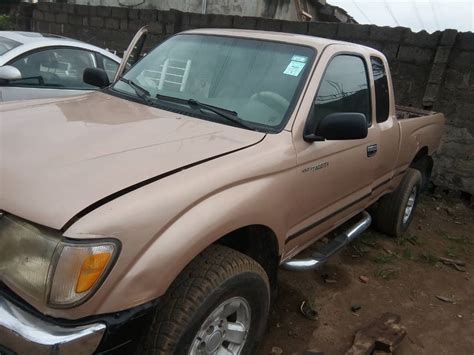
x=404, y=112
x=418, y=129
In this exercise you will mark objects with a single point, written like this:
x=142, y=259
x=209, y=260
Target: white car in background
x=35, y=65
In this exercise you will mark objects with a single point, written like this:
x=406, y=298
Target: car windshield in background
x=256, y=80
x=7, y=44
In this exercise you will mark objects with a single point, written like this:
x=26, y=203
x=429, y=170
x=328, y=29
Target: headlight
x=41, y=265
x=79, y=270
x=26, y=252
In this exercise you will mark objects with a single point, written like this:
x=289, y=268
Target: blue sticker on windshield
x=299, y=58
x=294, y=68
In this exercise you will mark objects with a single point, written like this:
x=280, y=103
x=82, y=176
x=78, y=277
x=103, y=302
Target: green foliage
x=5, y=23
x=387, y=274
x=412, y=239
x=460, y=240
x=428, y=258
x=407, y=254
x=366, y=241
x=452, y=251
x=458, y=244
x=383, y=258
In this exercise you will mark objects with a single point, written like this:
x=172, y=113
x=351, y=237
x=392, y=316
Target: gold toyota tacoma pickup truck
x=152, y=216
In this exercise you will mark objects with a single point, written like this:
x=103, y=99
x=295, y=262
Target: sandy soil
x=405, y=276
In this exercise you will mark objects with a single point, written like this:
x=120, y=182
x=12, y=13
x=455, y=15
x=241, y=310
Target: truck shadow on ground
x=378, y=274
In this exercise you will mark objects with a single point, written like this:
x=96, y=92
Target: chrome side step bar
x=323, y=254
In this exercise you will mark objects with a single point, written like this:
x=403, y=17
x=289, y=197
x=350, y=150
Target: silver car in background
x=35, y=65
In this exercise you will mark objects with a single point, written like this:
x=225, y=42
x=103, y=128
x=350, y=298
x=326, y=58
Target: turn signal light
x=79, y=269
x=91, y=270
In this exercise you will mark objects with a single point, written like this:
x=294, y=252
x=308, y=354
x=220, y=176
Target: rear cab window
x=382, y=99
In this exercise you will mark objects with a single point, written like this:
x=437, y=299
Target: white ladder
x=172, y=71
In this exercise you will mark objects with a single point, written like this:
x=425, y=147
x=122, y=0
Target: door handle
x=371, y=150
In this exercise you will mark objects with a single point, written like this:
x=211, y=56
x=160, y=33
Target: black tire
x=425, y=167
x=389, y=215
x=216, y=275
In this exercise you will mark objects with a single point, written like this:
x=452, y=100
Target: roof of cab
x=292, y=38
x=269, y=35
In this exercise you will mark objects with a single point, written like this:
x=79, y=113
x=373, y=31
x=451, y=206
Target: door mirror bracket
x=311, y=137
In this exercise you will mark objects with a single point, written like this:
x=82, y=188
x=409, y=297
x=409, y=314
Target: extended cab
x=152, y=216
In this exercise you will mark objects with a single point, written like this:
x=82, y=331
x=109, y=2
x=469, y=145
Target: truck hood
x=59, y=156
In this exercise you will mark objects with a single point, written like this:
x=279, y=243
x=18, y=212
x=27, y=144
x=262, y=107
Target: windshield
x=255, y=79
x=6, y=44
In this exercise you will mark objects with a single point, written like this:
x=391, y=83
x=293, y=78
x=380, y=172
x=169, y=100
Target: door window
x=108, y=65
x=54, y=68
x=7, y=44
x=382, y=100
x=344, y=88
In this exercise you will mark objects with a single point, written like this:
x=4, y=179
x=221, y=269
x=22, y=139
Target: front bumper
x=23, y=333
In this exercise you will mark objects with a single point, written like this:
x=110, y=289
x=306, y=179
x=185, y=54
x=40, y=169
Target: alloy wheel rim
x=225, y=330
x=410, y=205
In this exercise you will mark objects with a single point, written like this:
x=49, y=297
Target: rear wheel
x=218, y=305
x=425, y=166
x=395, y=211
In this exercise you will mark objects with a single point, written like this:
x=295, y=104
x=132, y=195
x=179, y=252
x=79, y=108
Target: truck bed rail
x=404, y=112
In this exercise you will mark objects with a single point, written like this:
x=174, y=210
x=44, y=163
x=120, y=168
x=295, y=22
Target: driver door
x=333, y=177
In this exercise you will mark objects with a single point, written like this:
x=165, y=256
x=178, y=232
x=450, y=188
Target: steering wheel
x=272, y=100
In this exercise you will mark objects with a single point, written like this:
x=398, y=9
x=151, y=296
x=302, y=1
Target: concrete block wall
x=434, y=71
x=7, y=5
x=455, y=161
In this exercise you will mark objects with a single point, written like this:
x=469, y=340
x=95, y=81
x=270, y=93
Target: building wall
x=279, y=9
x=6, y=5
x=232, y=7
x=429, y=70
x=276, y=9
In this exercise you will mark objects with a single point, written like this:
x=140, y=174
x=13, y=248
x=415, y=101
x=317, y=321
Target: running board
x=322, y=255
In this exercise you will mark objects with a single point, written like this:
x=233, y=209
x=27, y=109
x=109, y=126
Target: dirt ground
x=405, y=277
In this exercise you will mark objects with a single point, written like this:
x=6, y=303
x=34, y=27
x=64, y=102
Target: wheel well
x=258, y=242
x=423, y=163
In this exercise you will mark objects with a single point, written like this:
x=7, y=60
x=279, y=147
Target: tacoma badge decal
x=315, y=167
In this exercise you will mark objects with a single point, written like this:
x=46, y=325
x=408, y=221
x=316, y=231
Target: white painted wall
x=279, y=9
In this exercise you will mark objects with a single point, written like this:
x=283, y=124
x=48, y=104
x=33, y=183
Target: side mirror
x=340, y=126
x=7, y=72
x=96, y=77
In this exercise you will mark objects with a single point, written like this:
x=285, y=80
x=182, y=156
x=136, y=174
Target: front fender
x=196, y=229
x=164, y=225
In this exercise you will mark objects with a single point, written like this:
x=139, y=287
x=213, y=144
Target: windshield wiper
x=227, y=114
x=141, y=92
x=222, y=112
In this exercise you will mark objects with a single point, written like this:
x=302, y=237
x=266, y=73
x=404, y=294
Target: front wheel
x=218, y=305
x=395, y=211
